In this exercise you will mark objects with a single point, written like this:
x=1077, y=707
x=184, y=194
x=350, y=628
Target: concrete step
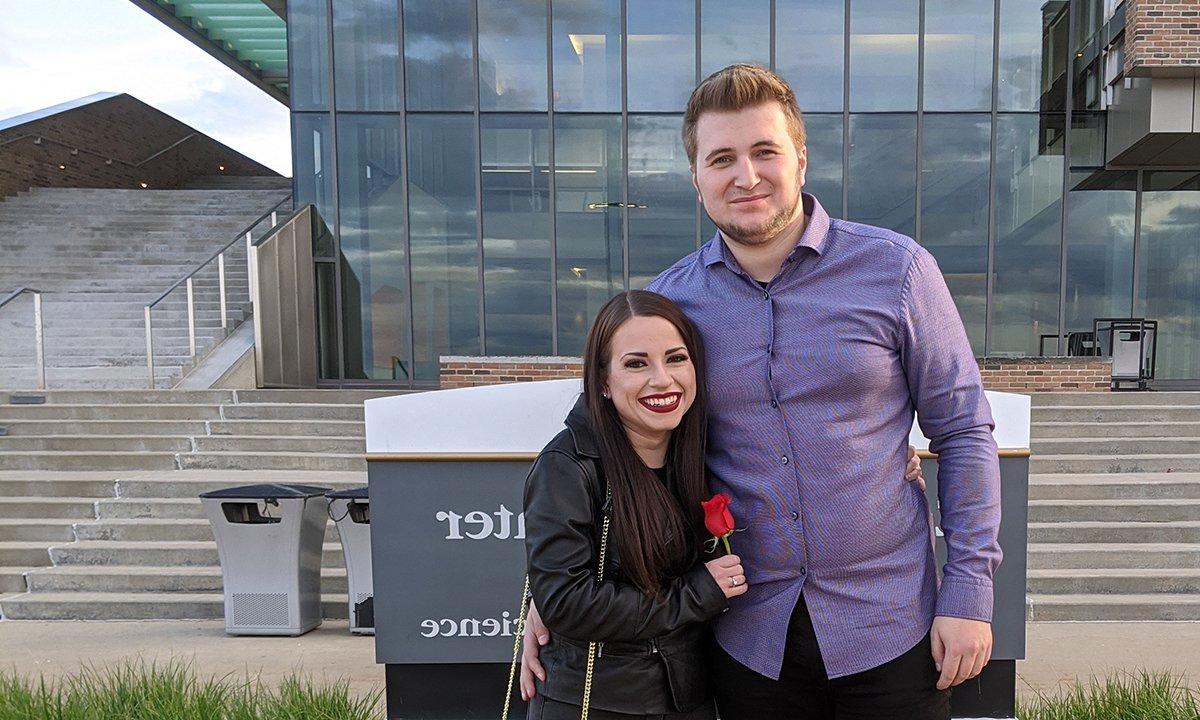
x=1114, y=510
x=138, y=579
x=154, y=530
x=293, y=411
x=114, y=428
x=188, y=485
x=94, y=460
x=71, y=508
x=1114, y=581
x=130, y=508
x=133, y=606
x=273, y=461
x=1156, y=463
x=323, y=428
x=41, y=531
x=1157, y=607
x=1051, y=556
x=124, y=411
x=1117, y=415
x=1115, y=532
x=1041, y=400
x=1124, y=486
x=128, y=397
x=68, y=485
x=266, y=443
x=27, y=553
x=160, y=554
x=12, y=580
x=1115, y=445
x=90, y=443
x=340, y=397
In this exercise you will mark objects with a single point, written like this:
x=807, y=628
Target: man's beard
x=764, y=233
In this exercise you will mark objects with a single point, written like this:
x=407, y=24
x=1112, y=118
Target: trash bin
x=351, y=510
x=269, y=538
x=1132, y=343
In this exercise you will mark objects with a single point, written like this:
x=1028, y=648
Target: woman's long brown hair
x=656, y=540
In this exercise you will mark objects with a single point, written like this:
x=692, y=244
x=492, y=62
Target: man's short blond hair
x=735, y=88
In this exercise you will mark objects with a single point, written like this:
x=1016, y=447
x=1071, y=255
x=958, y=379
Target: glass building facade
x=491, y=171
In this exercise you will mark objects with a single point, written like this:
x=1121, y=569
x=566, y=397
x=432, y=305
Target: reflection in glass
x=734, y=32
x=883, y=54
x=810, y=51
x=958, y=54
x=327, y=355
x=954, y=210
x=312, y=161
x=516, y=234
x=587, y=55
x=1169, y=270
x=823, y=178
x=664, y=230
x=662, y=54
x=366, y=52
x=590, y=261
x=438, y=67
x=512, y=54
x=1033, y=47
x=1029, y=168
x=371, y=202
x=883, y=171
x=441, y=200
x=308, y=55
x=1100, y=219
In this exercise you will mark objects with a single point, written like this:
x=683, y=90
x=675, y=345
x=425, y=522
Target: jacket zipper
x=599, y=649
x=654, y=647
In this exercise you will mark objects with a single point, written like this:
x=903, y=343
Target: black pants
x=541, y=708
x=903, y=689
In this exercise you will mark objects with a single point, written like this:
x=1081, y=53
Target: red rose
x=717, y=517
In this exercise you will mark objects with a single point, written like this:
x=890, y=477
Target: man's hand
x=536, y=635
x=960, y=649
x=913, y=471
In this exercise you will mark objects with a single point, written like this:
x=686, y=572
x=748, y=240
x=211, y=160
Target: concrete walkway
x=1058, y=652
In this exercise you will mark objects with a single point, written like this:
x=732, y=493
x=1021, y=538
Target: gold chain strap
x=518, y=636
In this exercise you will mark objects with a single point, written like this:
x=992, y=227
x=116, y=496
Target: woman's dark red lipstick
x=671, y=398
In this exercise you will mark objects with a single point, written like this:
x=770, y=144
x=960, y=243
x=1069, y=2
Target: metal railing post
x=249, y=271
x=221, y=282
x=40, y=347
x=274, y=218
x=149, y=348
x=191, y=309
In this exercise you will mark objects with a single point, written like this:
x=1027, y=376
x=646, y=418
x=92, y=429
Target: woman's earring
x=604, y=394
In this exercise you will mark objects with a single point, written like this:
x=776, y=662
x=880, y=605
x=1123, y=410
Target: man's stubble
x=769, y=230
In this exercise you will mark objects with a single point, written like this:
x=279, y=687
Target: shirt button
x=803, y=570
x=774, y=403
x=766, y=296
x=784, y=460
x=795, y=515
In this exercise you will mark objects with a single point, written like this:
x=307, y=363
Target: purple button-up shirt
x=813, y=381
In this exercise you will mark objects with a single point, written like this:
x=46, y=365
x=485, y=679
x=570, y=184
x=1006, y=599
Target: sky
x=52, y=51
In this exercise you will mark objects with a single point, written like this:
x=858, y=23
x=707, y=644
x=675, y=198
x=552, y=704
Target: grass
x=1130, y=696
x=172, y=691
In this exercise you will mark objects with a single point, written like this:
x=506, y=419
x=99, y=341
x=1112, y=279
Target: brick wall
x=1160, y=34
x=1021, y=375
x=77, y=146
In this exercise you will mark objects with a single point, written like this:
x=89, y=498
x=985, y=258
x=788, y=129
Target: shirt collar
x=816, y=230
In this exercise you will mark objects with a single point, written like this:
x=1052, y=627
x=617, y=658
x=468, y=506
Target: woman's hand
x=727, y=572
x=913, y=472
x=536, y=635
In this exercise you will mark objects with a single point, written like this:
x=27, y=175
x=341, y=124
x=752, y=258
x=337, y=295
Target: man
x=822, y=337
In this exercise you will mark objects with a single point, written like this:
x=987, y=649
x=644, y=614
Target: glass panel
x=958, y=54
x=954, y=210
x=327, y=358
x=512, y=55
x=312, y=159
x=662, y=54
x=375, y=276
x=1029, y=177
x=659, y=178
x=441, y=216
x=587, y=55
x=883, y=54
x=308, y=54
x=366, y=51
x=516, y=234
x=590, y=263
x=883, y=171
x=1169, y=270
x=438, y=67
x=734, y=32
x=1033, y=46
x=1087, y=140
x=1100, y=219
x=823, y=177
x=810, y=51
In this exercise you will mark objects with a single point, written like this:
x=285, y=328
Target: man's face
x=749, y=172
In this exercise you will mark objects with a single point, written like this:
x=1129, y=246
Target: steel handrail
x=38, y=139
x=246, y=234
x=39, y=336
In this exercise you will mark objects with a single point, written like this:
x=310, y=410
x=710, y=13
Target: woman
x=632, y=453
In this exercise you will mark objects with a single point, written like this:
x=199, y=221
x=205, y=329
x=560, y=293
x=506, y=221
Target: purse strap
x=520, y=630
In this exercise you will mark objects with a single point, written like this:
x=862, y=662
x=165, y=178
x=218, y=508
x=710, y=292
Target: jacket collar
x=579, y=423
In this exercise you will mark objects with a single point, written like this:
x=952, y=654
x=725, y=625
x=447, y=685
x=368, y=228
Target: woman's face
x=651, y=378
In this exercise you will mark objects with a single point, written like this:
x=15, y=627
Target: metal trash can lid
x=357, y=493
x=267, y=490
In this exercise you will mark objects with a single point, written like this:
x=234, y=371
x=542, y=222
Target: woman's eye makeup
x=678, y=357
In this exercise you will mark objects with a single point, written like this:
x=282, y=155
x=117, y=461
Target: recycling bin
x=269, y=538
x=351, y=510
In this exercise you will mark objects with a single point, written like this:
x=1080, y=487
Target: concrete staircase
x=100, y=256
x=1114, y=510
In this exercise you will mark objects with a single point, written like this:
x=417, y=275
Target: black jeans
x=541, y=708
x=903, y=689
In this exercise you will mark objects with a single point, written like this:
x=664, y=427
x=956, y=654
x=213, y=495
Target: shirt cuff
x=972, y=601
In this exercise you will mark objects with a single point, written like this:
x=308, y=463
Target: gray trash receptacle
x=351, y=510
x=269, y=538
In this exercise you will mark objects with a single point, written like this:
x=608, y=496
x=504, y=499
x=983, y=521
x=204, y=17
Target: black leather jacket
x=653, y=653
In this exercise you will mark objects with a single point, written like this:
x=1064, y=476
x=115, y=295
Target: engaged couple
x=778, y=366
